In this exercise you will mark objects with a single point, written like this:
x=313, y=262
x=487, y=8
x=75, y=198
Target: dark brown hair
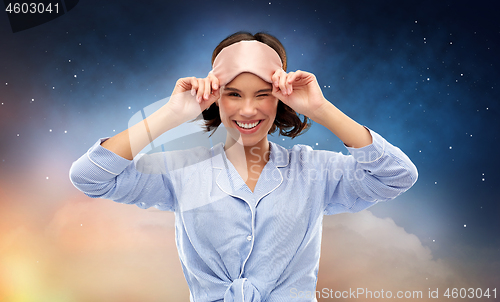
x=287, y=120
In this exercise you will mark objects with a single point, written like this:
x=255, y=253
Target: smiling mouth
x=247, y=125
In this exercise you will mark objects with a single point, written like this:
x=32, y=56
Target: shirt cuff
x=105, y=159
x=370, y=153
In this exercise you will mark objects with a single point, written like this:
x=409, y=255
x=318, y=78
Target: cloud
x=98, y=250
x=363, y=251
x=91, y=250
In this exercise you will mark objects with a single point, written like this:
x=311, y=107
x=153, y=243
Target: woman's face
x=247, y=109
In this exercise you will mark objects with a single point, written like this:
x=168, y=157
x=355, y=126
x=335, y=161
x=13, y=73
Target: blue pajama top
x=239, y=245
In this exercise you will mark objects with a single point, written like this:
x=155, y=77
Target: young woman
x=248, y=212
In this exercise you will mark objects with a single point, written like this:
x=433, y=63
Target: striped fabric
x=239, y=245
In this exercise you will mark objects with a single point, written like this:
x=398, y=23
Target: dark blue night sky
x=423, y=74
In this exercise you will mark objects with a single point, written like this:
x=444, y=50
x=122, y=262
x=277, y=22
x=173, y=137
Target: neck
x=239, y=155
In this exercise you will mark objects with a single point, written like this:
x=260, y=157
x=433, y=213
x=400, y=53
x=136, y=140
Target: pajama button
x=249, y=237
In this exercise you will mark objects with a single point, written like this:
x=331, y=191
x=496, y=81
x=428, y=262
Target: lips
x=247, y=125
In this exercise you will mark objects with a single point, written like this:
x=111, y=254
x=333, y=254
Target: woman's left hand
x=299, y=90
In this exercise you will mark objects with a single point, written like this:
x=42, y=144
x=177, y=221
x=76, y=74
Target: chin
x=245, y=140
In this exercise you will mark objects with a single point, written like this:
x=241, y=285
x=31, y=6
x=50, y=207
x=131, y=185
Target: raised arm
x=300, y=91
x=190, y=97
x=106, y=169
x=375, y=171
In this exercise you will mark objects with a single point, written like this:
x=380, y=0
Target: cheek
x=225, y=109
x=271, y=107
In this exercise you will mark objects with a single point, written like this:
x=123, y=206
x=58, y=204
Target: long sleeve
x=387, y=171
x=239, y=245
x=102, y=173
x=377, y=172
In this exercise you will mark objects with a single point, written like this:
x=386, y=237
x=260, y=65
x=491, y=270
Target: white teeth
x=247, y=126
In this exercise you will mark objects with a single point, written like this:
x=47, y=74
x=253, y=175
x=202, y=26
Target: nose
x=249, y=108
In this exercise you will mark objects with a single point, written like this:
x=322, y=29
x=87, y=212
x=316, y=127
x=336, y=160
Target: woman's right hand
x=182, y=106
x=193, y=95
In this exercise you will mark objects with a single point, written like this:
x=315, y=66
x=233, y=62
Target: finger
x=275, y=77
x=208, y=85
x=183, y=83
x=295, y=76
x=214, y=81
x=214, y=96
x=194, y=85
x=282, y=84
x=201, y=89
x=277, y=93
x=289, y=83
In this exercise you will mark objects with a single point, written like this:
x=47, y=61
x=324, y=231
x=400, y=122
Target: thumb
x=277, y=93
x=214, y=96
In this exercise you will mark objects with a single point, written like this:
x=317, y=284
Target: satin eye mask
x=246, y=56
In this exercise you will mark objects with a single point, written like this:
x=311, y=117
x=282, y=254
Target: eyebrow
x=259, y=91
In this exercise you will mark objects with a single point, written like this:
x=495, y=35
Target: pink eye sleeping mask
x=246, y=56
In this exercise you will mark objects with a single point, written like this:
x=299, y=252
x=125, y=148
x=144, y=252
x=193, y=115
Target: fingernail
x=276, y=84
x=198, y=99
x=216, y=86
x=193, y=92
x=289, y=90
x=205, y=96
